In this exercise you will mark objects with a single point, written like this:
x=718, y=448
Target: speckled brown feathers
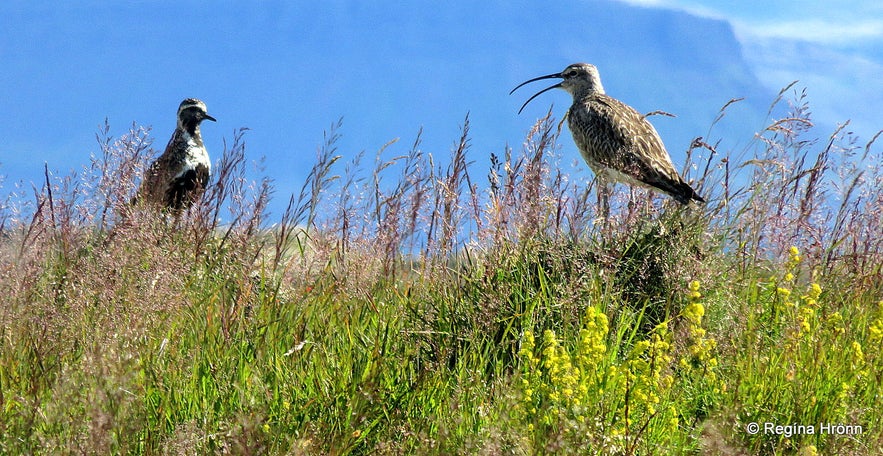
x=616, y=141
x=179, y=176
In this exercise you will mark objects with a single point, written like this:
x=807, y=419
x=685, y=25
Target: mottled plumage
x=179, y=176
x=616, y=141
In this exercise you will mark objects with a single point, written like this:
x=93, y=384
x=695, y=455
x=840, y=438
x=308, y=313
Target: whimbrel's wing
x=617, y=140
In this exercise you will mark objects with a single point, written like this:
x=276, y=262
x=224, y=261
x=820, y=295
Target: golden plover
x=179, y=176
x=617, y=142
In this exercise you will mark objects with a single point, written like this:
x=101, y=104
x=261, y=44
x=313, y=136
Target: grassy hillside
x=418, y=304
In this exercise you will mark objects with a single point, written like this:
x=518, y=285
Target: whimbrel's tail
x=681, y=192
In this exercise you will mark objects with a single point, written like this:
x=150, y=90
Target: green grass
x=408, y=309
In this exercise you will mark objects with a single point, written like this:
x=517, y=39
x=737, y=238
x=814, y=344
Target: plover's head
x=190, y=113
x=578, y=79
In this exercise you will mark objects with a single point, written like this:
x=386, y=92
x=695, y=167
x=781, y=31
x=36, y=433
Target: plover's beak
x=208, y=117
x=548, y=76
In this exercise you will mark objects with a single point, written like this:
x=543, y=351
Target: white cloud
x=696, y=10
x=842, y=86
x=813, y=30
x=822, y=44
x=816, y=21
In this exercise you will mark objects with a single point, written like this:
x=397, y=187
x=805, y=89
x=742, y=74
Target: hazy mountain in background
x=288, y=71
x=407, y=76
x=652, y=59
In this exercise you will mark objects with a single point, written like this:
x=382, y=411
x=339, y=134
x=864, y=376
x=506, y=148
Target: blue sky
x=289, y=70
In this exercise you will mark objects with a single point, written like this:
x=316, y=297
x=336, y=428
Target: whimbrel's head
x=578, y=79
x=190, y=113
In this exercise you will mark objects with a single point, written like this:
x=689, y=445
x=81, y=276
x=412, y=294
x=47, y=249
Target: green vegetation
x=414, y=308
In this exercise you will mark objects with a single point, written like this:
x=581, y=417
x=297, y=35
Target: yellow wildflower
x=693, y=290
x=805, y=327
x=694, y=313
x=844, y=393
x=641, y=347
x=858, y=356
x=876, y=329
x=527, y=342
x=807, y=315
x=835, y=321
x=815, y=290
x=673, y=422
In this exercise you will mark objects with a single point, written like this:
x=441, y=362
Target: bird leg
x=632, y=204
x=604, y=199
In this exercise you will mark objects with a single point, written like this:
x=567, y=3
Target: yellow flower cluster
x=807, y=312
x=809, y=346
x=802, y=310
x=793, y=257
x=563, y=376
x=555, y=385
x=527, y=346
x=592, y=346
x=784, y=287
x=876, y=327
x=694, y=310
x=701, y=360
x=564, y=387
x=531, y=363
x=591, y=350
x=834, y=323
x=858, y=355
x=643, y=372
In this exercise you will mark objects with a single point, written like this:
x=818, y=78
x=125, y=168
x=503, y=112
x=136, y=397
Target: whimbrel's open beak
x=548, y=76
x=208, y=117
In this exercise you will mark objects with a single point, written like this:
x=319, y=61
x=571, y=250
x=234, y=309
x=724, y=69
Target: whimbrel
x=179, y=176
x=617, y=142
